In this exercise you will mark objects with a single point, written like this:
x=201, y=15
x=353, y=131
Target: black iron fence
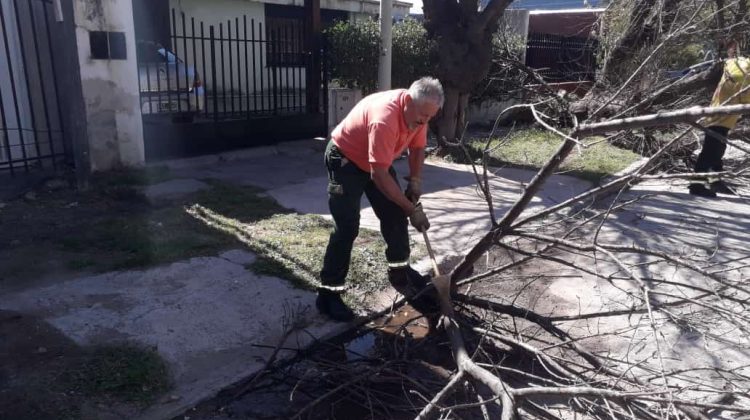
x=31, y=130
x=562, y=59
x=237, y=69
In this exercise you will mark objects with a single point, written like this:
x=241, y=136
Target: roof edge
x=561, y=11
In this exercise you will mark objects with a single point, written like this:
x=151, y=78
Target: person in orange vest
x=734, y=88
x=359, y=158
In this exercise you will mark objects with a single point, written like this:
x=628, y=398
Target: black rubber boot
x=409, y=283
x=720, y=187
x=701, y=191
x=329, y=303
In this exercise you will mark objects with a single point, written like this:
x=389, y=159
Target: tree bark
x=463, y=53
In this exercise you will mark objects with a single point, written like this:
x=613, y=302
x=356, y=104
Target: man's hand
x=413, y=189
x=418, y=219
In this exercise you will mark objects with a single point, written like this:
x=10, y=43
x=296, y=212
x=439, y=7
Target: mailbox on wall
x=340, y=102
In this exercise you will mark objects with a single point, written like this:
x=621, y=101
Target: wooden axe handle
x=432, y=254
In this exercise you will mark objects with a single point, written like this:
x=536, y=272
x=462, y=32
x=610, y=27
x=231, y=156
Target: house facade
x=102, y=84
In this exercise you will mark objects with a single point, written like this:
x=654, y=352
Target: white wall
x=110, y=87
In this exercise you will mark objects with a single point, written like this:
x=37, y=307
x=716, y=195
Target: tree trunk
x=463, y=54
x=450, y=124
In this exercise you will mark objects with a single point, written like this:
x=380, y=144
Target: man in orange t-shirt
x=359, y=159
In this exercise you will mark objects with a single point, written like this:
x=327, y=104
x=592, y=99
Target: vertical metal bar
x=41, y=82
x=13, y=88
x=263, y=51
x=223, y=84
x=196, y=76
x=28, y=84
x=255, y=87
x=3, y=120
x=205, y=75
x=273, y=38
x=292, y=65
x=140, y=86
x=185, y=61
x=301, y=68
x=158, y=86
x=288, y=43
x=173, y=32
x=295, y=69
x=148, y=86
x=239, y=63
x=231, y=66
x=313, y=35
x=247, y=69
x=54, y=79
x=5, y=129
x=270, y=63
x=213, y=72
x=324, y=64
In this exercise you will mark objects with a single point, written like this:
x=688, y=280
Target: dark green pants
x=346, y=184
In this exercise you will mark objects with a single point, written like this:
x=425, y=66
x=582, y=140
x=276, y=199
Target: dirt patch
x=45, y=375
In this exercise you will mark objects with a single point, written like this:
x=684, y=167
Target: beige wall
x=110, y=87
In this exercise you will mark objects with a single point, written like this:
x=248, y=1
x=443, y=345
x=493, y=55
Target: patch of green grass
x=246, y=204
x=532, y=148
x=126, y=372
x=289, y=245
x=292, y=246
x=148, y=238
x=122, y=184
x=103, y=235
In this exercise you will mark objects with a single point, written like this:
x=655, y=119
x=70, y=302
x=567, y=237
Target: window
x=107, y=45
x=285, y=46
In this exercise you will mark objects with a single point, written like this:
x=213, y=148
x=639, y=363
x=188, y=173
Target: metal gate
x=562, y=59
x=233, y=85
x=31, y=130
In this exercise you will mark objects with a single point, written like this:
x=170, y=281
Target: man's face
x=418, y=113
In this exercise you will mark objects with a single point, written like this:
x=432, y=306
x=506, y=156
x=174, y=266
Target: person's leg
x=715, y=158
x=714, y=147
x=394, y=224
x=345, y=187
x=395, y=230
x=709, y=158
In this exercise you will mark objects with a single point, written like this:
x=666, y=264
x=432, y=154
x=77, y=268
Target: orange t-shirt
x=374, y=132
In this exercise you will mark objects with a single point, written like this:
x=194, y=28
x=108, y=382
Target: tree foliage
x=411, y=53
x=354, y=50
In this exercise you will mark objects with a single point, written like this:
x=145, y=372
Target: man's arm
x=388, y=186
x=416, y=160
